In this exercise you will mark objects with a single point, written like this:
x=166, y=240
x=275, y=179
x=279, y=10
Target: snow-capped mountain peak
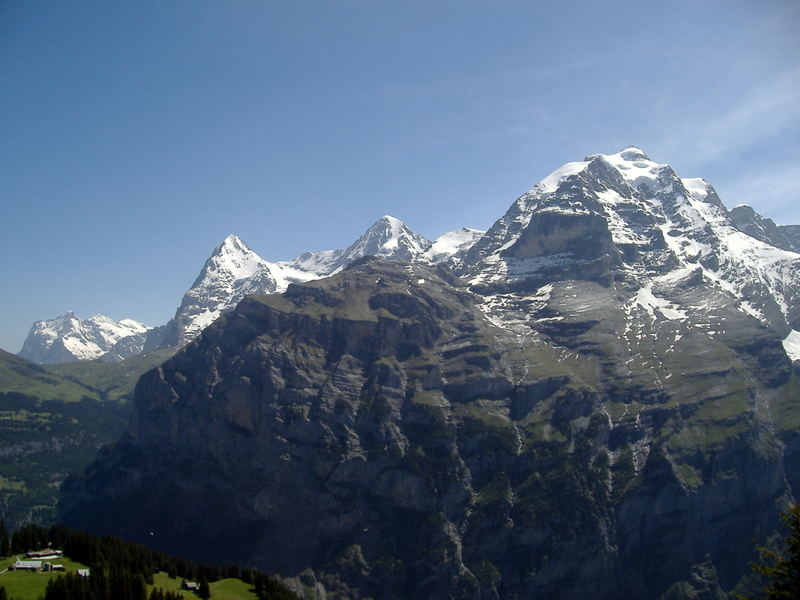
x=231, y=241
x=231, y=272
x=632, y=154
x=234, y=271
x=232, y=259
x=388, y=237
x=68, y=338
x=748, y=221
x=395, y=224
x=631, y=162
x=624, y=217
x=635, y=167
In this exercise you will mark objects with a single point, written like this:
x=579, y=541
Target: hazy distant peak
x=67, y=338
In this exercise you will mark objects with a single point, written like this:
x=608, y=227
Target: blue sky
x=134, y=136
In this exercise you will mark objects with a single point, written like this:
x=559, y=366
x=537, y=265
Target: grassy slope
x=224, y=589
x=23, y=585
x=110, y=381
x=31, y=586
x=21, y=376
x=53, y=419
x=71, y=382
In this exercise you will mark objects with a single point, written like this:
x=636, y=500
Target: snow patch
x=697, y=187
x=550, y=184
x=657, y=307
x=621, y=232
x=452, y=242
x=634, y=166
x=791, y=343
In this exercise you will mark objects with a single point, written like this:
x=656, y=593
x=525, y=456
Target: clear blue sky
x=134, y=136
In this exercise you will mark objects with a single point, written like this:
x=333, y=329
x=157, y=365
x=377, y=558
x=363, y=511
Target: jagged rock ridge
x=748, y=221
x=234, y=271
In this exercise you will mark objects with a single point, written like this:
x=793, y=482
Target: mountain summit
x=231, y=272
x=388, y=237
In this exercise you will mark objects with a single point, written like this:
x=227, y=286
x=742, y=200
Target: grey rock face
x=132, y=345
x=748, y=221
x=792, y=234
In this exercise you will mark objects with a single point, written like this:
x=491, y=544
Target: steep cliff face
x=385, y=428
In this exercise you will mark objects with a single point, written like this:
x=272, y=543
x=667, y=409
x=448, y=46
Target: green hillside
x=53, y=419
x=120, y=570
x=21, y=376
x=109, y=381
x=24, y=585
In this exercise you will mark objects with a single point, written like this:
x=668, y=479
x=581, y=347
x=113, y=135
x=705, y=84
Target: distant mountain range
x=231, y=272
x=595, y=398
x=68, y=338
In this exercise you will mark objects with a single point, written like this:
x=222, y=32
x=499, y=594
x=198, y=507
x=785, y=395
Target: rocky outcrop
x=755, y=225
x=792, y=234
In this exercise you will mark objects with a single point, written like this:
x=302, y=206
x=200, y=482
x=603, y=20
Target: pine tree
x=5, y=540
x=782, y=569
x=204, y=592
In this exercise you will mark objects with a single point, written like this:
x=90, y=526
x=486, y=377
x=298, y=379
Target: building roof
x=44, y=553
